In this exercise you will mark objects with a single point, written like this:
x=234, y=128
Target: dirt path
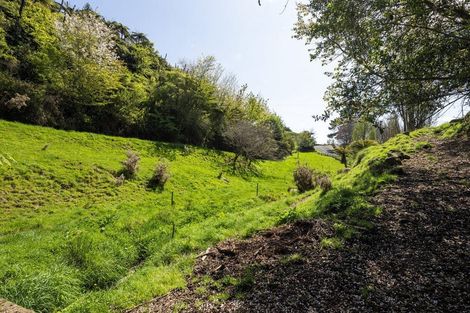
x=8, y=307
x=416, y=258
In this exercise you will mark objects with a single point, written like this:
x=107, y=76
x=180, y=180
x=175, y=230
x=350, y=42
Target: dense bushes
x=82, y=72
x=306, y=142
x=358, y=145
x=307, y=179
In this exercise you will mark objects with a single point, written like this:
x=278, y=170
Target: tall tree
x=250, y=141
x=411, y=58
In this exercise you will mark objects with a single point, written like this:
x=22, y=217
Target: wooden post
x=172, y=198
x=173, y=231
x=257, y=189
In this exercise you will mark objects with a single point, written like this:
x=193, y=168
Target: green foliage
x=405, y=58
x=288, y=216
x=306, y=142
x=291, y=259
x=364, y=131
x=82, y=72
x=181, y=109
x=356, y=146
x=423, y=145
x=46, y=291
x=347, y=204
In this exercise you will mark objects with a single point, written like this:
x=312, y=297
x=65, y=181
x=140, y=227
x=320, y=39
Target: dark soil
x=416, y=258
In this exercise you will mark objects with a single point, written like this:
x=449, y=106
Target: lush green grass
x=71, y=239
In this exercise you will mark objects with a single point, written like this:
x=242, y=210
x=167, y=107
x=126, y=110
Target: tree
x=410, y=58
x=391, y=127
x=88, y=66
x=73, y=69
x=250, y=141
x=342, y=132
x=306, y=141
x=343, y=152
x=364, y=131
x=20, y=11
x=181, y=109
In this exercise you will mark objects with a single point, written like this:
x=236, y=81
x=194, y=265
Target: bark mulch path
x=415, y=259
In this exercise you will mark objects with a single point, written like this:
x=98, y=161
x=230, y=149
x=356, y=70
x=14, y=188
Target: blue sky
x=254, y=43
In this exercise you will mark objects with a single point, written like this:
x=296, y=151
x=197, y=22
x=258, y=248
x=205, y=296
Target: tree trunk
x=234, y=161
x=20, y=12
x=344, y=160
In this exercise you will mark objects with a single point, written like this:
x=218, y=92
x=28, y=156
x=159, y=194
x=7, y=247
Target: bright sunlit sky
x=254, y=43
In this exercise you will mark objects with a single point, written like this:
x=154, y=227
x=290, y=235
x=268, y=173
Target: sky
x=252, y=42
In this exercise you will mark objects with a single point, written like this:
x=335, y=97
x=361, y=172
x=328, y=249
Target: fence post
x=257, y=189
x=172, y=198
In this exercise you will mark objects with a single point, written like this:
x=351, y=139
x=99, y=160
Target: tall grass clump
x=41, y=290
x=98, y=267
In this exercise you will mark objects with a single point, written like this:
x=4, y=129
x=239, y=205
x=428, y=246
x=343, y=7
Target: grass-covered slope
x=400, y=248
x=71, y=239
x=346, y=204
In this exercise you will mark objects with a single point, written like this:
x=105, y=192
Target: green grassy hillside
x=71, y=239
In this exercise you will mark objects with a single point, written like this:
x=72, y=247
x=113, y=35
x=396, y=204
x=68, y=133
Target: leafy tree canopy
x=411, y=58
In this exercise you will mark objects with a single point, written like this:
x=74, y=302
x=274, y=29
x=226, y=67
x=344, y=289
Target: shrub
x=131, y=165
x=324, y=182
x=338, y=201
x=160, y=176
x=306, y=142
x=303, y=177
x=17, y=102
x=288, y=216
